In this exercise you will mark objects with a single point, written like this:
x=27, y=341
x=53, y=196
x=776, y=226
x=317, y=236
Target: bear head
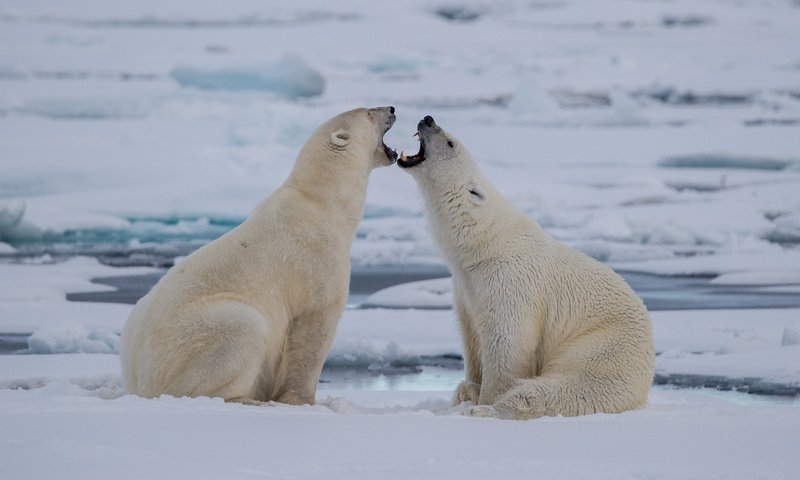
x=443, y=166
x=353, y=138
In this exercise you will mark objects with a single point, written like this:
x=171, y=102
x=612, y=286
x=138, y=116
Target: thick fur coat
x=250, y=316
x=546, y=329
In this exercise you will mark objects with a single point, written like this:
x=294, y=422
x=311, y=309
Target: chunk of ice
x=531, y=98
x=72, y=337
x=11, y=212
x=290, y=76
x=791, y=336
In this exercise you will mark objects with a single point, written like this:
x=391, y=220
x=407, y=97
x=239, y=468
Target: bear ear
x=476, y=193
x=340, y=138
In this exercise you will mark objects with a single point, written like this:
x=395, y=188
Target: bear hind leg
x=598, y=373
x=224, y=354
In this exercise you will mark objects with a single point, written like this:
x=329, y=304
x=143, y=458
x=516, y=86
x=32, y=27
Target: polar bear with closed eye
x=250, y=316
x=546, y=329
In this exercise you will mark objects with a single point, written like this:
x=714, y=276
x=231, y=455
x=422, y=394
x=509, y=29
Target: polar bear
x=546, y=329
x=250, y=316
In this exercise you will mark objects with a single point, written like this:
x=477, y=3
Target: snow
x=744, y=343
x=759, y=277
x=25, y=316
x=87, y=430
x=659, y=137
x=72, y=337
x=290, y=76
x=779, y=365
x=32, y=297
x=11, y=212
x=791, y=336
x=637, y=129
x=44, y=280
x=436, y=293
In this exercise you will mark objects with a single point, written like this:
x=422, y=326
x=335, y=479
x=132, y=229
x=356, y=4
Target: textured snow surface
x=637, y=131
x=658, y=137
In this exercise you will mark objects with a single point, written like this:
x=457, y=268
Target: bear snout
x=427, y=125
x=388, y=116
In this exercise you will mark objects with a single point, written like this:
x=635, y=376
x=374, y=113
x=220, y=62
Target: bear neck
x=467, y=239
x=340, y=192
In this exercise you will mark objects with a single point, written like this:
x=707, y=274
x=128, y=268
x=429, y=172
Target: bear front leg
x=498, y=376
x=307, y=345
x=507, y=347
x=468, y=390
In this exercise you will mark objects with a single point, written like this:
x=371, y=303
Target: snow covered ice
x=635, y=133
x=70, y=409
x=659, y=137
x=289, y=76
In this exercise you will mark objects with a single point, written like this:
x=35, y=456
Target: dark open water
x=658, y=292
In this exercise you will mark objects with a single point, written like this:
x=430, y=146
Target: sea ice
x=791, y=336
x=787, y=228
x=290, y=76
x=727, y=162
x=532, y=100
x=136, y=120
x=11, y=212
x=759, y=277
x=68, y=336
x=436, y=293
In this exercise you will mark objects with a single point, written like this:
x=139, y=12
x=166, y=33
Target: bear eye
x=450, y=143
x=476, y=193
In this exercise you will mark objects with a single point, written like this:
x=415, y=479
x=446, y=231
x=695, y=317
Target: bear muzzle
x=425, y=127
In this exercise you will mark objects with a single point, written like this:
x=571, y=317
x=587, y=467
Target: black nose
x=391, y=109
x=428, y=121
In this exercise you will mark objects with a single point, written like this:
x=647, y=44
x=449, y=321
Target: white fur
x=250, y=317
x=546, y=329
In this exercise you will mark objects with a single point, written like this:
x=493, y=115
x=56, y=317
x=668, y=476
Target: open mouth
x=408, y=162
x=391, y=154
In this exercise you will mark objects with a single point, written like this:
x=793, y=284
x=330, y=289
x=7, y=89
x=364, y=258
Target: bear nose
x=391, y=109
x=426, y=123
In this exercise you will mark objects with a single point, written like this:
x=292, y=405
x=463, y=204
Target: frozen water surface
x=659, y=137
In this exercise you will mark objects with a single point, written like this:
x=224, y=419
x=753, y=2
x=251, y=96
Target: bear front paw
x=486, y=411
x=519, y=406
x=467, y=391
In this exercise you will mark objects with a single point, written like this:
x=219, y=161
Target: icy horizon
x=660, y=137
x=636, y=134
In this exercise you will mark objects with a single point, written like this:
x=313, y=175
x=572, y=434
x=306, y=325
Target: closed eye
x=476, y=193
x=450, y=143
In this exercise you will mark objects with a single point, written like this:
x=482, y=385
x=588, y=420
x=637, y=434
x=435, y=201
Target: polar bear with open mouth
x=546, y=329
x=250, y=316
